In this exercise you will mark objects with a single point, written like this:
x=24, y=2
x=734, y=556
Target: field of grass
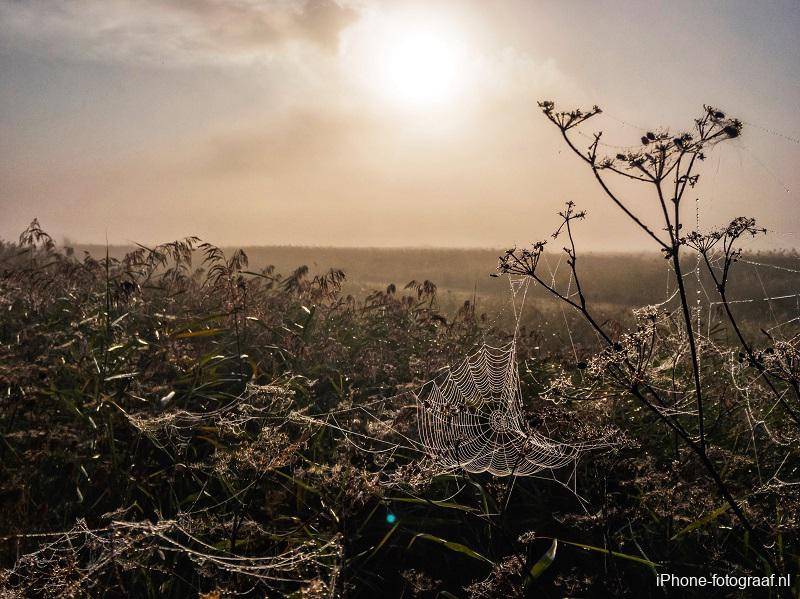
x=181, y=421
x=617, y=282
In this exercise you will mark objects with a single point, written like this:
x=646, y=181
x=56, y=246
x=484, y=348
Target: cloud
x=172, y=32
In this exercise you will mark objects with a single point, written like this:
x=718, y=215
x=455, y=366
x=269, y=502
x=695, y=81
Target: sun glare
x=417, y=60
x=422, y=68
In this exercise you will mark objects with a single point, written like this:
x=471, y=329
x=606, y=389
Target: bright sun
x=413, y=59
x=422, y=67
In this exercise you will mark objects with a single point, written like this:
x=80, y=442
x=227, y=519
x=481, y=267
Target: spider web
x=473, y=419
x=71, y=563
x=471, y=416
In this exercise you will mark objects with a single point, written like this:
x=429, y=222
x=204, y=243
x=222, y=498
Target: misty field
x=181, y=420
x=619, y=281
x=188, y=420
x=399, y=299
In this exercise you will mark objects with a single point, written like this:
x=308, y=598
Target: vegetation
x=176, y=422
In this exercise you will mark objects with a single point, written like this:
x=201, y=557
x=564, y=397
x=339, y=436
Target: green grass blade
x=544, y=562
x=453, y=546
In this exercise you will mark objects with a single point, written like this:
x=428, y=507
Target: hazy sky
x=377, y=123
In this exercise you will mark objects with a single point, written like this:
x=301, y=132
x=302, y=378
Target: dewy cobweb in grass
x=471, y=417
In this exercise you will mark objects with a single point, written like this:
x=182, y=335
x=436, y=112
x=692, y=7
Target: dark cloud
x=170, y=32
x=323, y=21
x=258, y=24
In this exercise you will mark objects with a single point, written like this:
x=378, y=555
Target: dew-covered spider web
x=472, y=419
x=471, y=416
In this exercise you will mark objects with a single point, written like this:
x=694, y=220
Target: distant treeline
x=617, y=279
